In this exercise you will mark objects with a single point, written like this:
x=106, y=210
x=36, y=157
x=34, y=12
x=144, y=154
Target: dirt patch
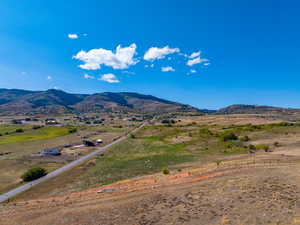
x=260, y=194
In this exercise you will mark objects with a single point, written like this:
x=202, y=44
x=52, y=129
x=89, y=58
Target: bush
x=165, y=171
x=276, y=144
x=205, y=132
x=33, y=174
x=19, y=130
x=262, y=147
x=228, y=136
x=245, y=138
x=72, y=130
x=218, y=162
x=35, y=127
x=252, y=147
x=132, y=135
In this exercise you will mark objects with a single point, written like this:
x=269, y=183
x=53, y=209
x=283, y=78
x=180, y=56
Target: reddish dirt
x=233, y=193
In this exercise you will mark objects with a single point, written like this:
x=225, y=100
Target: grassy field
x=19, y=146
x=33, y=134
x=171, y=146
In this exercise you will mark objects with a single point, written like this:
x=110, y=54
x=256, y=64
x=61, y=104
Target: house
x=51, y=151
x=88, y=143
x=16, y=121
x=99, y=141
x=51, y=121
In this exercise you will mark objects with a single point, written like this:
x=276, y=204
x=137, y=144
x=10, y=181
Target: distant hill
x=14, y=101
x=254, y=109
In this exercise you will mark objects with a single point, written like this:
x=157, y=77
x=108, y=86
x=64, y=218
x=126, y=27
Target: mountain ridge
x=18, y=101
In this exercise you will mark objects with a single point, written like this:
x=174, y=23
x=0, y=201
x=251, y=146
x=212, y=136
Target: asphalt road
x=6, y=196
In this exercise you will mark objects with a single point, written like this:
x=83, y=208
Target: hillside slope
x=13, y=101
x=250, y=109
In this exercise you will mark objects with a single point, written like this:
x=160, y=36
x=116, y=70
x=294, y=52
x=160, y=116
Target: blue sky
x=249, y=49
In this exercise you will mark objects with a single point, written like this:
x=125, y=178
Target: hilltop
x=15, y=101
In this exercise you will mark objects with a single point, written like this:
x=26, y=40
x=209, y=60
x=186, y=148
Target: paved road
x=18, y=190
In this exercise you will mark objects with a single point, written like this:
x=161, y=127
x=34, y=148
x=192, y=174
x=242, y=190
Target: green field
x=30, y=134
x=156, y=147
x=21, y=145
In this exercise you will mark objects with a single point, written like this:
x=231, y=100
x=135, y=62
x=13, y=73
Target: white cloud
x=85, y=34
x=193, y=71
x=195, y=61
x=87, y=76
x=167, y=69
x=195, y=54
x=72, y=36
x=110, y=78
x=93, y=59
x=23, y=73
x=154, y=53
x=206, y=64
x=49, y=78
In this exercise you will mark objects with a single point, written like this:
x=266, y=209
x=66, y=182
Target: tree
x=228, y=136
x=33, y=174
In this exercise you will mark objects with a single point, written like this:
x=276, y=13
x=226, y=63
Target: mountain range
x=255, y=109
x=15, y=101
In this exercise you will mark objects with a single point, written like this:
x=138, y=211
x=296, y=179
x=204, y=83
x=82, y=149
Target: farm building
x=51, y=151
x=50, y=121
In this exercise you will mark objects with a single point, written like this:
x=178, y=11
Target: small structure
x=99, y=141
x=51, y=121
x=51, y=151
x=88, y=143
x=17, y=121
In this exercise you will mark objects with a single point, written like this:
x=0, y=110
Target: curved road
x=6, y=196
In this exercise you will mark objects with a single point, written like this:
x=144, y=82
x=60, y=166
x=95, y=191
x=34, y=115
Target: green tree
x=33, y=174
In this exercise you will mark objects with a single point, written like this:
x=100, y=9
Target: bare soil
x=239, y=191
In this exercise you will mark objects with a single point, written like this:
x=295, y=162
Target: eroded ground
x=240, y=192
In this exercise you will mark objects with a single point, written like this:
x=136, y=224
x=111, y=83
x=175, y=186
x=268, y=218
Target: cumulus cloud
x=49, y=78
x=121, y=59
x=154, y=53
x=72, y=36
x=206, y=64
x=195, y=61
x=167, y=69
x=110, y=78
x=87, y=76
x=193, y=71
x=194, y=55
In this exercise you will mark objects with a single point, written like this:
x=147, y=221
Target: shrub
x=72, y=130
x=262, y=147
x=276, y=144
x=205, y=131
x=228, y=136
x=165, y=171
x=218, y=162
x=19, y=130
x=132, y=135
x=244, y=138
x=33, y=174
x=252, y=147
x=35, y=127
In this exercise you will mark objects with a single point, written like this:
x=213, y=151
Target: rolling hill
x=14, y=101
x=254, y=109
